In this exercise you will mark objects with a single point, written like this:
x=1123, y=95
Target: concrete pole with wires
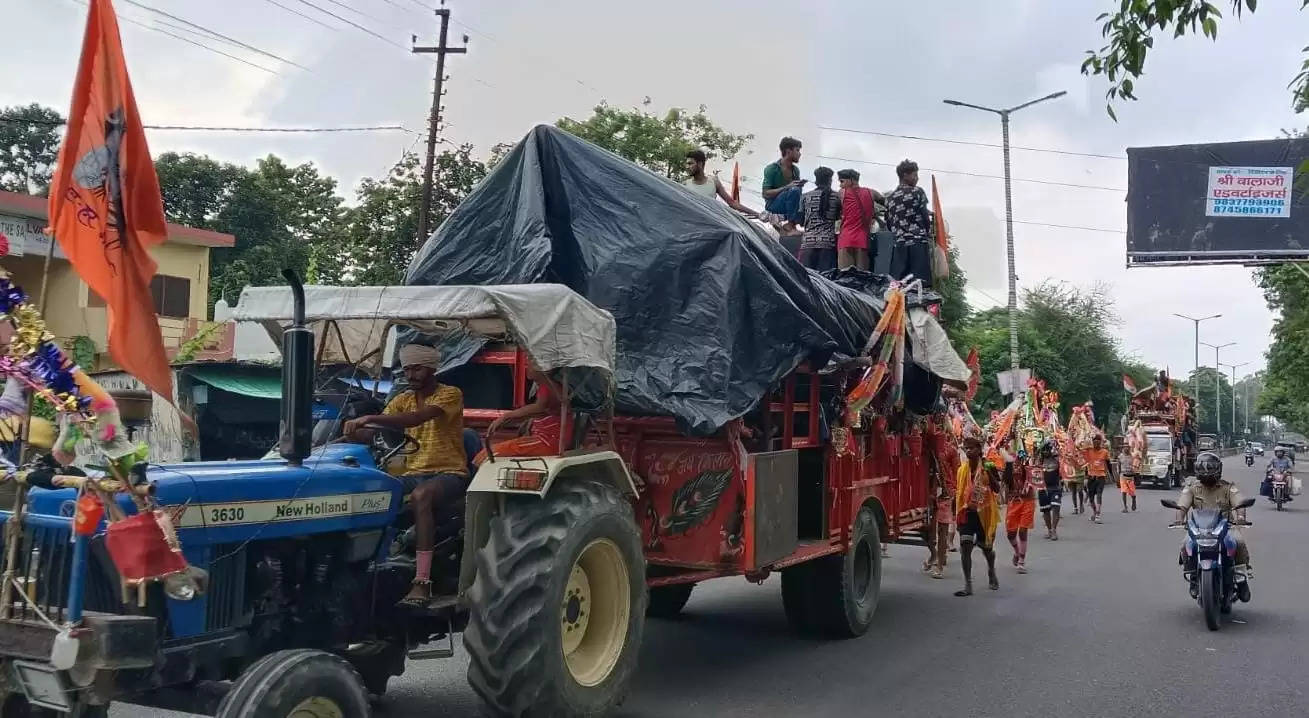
x=1009, y=213
x=1234, y=367
x=434, y=120
x=1218, y=386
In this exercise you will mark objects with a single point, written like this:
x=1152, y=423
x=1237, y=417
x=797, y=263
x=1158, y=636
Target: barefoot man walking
x=977, y=513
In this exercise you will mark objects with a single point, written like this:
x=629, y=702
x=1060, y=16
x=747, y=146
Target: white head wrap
x=419, y=355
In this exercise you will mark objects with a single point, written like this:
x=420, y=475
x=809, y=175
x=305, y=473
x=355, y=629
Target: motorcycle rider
x=1211, y=492
x=1279, y=465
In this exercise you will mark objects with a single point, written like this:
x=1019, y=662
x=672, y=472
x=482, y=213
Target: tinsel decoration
x=34, y=359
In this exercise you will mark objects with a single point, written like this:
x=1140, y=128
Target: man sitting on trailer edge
x=436, y=473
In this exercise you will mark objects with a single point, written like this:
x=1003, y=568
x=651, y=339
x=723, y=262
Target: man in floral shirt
x=909, y=216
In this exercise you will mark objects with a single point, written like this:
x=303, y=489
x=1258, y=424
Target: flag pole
x=24, y=446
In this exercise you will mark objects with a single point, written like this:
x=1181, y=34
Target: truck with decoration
x=728, y=414
x=1160, y=435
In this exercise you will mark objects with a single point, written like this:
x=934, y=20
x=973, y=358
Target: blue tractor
x=298, y=560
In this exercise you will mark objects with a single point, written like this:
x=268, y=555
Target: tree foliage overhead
x=1064, y=338
x=280, y=215
x=656, y=142
x=1285, y=393
x=380, y=233
x=29, y=145
x=1130, y=31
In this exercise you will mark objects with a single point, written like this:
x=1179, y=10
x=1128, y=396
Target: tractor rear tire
x=668, y=601
x=557, y=608
x=846, y=587
x=303, y=683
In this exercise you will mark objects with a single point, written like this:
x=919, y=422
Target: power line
x=985, y=176
x=353, y=24
x=1071, y=226
x=216, y=34
x=214, y=50
x=310, y=18
x=974, y=144
x=360, y=13
x=208, y=128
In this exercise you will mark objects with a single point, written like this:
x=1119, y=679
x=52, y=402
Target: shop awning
x=254, y=384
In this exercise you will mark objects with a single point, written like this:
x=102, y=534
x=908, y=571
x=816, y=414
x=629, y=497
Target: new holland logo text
x=256, y=512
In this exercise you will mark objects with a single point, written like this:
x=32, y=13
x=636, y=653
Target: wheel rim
x=863, y=570
x=595, y=611
x=316, y=707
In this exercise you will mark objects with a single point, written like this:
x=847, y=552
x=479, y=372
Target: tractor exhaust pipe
x=297, y=379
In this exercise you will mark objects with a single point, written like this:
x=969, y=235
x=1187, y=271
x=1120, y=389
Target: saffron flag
x=974, y=363
x=105, y=206
x=1129, y=386
x=941, y=252
x=736, y=181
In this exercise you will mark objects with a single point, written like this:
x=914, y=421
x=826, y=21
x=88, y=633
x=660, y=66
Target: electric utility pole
x=434, y=121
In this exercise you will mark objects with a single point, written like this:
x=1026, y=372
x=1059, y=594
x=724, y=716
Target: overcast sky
x=763, y=67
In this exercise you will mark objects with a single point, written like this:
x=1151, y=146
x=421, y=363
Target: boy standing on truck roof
x=436, y=473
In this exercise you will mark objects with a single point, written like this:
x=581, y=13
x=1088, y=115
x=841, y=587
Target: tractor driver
x=436, y=473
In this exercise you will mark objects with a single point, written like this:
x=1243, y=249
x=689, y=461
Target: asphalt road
x=1101, y=625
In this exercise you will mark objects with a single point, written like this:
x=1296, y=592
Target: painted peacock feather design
x=694, y=502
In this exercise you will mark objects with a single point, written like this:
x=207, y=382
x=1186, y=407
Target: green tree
x=1064, y=338
x=954, y=301
x=380, y=232
x=29, y=145
x=1130, y=31
x=656, y=142
x=1285, y=382
x=280, y=215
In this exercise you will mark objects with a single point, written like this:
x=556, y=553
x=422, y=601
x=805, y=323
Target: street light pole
x=1218, y=386
x=1009, y=212
x=1197, y=337
x=1234, y=367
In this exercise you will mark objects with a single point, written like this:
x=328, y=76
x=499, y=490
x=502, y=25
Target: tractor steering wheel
x=389, y=442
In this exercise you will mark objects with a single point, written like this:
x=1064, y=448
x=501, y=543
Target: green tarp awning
x=254, y=384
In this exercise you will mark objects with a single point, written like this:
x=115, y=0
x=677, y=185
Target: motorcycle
x=1208, y=560
x=1249, y=459
x=1279, y=488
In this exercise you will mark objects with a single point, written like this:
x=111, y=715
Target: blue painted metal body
x=334, y=470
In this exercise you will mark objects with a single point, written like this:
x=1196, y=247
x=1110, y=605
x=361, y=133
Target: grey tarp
x=557, y=328
x=711, y=311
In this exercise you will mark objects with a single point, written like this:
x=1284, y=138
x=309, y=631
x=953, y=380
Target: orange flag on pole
x=941, y=253
x=105, y=206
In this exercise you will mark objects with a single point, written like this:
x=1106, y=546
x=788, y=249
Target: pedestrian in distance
x=942, y=488
x=783, y=187
x=707, y=186
x=1126, y=478
x=858, y=212
x=1051, y=496
x=820, y=210
x=1020, y=514
x=1098, y=470
x=977, y=513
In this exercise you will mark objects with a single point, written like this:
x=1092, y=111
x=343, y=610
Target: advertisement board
x=1224, y=203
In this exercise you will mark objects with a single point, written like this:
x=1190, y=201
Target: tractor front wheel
x=558, y=605
x=299, y=683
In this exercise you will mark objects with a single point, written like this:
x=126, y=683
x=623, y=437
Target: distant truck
x=1164, y=461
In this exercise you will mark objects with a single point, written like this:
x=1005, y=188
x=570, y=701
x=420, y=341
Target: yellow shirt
x=440, y=440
